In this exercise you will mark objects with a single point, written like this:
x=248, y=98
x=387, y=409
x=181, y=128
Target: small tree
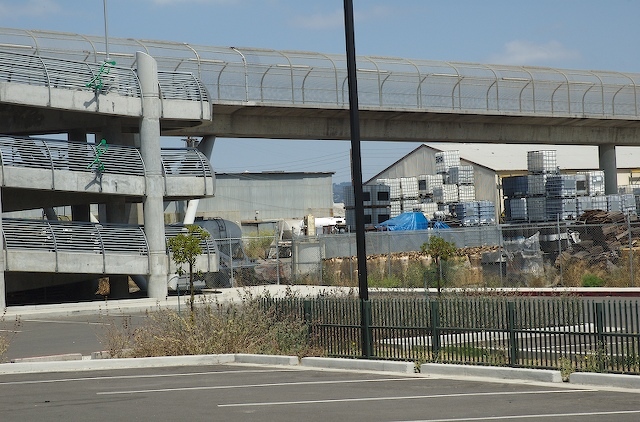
x=185, y=248
x=439, y=249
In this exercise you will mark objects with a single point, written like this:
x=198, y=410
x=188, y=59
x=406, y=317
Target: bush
x=592, y=280
x=245, y=326
x=258, y=245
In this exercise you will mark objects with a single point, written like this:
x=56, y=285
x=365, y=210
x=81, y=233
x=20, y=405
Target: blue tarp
x=405, y=221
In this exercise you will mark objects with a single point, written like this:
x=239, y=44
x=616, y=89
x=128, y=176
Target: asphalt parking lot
x=236, y=392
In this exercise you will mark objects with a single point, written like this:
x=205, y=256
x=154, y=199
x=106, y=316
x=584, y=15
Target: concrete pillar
x=153, y=209
x=79, y=212
x=206, y=146
x=3, y=267
x=607, y=159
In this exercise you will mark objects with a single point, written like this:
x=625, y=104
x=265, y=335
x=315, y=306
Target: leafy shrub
x=592, y=280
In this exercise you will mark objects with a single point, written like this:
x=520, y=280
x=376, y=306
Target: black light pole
x=356, y=179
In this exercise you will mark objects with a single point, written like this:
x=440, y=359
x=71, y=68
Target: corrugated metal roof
x=513, y=157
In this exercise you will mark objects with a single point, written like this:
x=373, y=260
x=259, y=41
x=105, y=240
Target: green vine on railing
x=101, y=148
x=97, y=83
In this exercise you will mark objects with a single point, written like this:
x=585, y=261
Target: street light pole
x=106, y=30
x=356, y=179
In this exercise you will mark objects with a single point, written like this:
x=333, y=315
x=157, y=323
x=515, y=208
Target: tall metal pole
x=356, y=177
x=106, y=30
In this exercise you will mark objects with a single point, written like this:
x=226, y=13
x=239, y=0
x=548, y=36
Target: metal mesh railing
x=314, y=79
x=181, y=86
x=53, y=154
x=60, y=236
x=65, y=155
x=185, y=162
x=102, y=77
x=66, y=74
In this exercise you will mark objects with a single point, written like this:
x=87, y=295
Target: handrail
x=228, y=72
x=84, y=76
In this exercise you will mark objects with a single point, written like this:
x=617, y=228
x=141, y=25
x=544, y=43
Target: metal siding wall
x=275, y=196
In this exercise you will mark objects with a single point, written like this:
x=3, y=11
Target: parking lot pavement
x=34, y=336
x=248, y=393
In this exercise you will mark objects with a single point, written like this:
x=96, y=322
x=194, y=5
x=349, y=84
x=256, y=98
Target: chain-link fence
x=564, y=253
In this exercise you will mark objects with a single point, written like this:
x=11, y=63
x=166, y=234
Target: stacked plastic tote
x=376, y=201
x=546, y=195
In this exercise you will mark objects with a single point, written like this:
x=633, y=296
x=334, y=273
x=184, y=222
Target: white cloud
x=528, y=53
x=23, y=8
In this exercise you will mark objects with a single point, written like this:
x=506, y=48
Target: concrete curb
x=497, y=372
x=359, y=364
x=267, y=359
x=105, y=364
x=51, y=358
x=605, y=380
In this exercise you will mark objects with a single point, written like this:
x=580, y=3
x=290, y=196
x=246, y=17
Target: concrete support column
x=3, y=265
x=153, y=209
x=607, y=159
x=206, y=146
x=79, y=212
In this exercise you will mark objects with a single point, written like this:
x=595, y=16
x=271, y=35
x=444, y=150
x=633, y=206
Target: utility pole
x=356, y=179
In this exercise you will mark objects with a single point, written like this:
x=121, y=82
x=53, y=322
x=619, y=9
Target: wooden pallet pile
x=601, y=236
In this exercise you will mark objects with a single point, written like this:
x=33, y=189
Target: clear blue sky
x=574, y=34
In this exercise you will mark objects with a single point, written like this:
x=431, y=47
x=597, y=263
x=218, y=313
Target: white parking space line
x=387, y=398
x=116, y=377
x=536, y=416
x=278, y=384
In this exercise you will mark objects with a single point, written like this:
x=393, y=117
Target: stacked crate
x=595, y=182
x=561, y=197
x=395, y=195
x=628, y=203
x=409, y=193
x=426, y=183
x=445, y=160
x=376, y=202
x=445, y=194
x=540, y=166
x=515, y=190
x=467, y=213
x=486, y=212
x=427, y=208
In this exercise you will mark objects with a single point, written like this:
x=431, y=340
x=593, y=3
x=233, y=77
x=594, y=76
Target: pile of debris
x=599, y=236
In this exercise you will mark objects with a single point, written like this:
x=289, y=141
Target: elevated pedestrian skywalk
x=304, y=95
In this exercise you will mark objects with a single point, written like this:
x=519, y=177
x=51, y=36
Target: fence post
x=231, y=280
x=513, y=340
x=559, y=248
x=389, y=253
x=632, y=280
x=306, y=306
x=350, y=262
x=365, y=329
x=600, y=349
x=435, y=328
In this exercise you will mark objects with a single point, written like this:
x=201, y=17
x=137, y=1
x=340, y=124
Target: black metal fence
x=568, y=333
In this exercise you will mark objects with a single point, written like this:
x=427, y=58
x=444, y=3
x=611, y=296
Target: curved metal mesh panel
x=312, y=79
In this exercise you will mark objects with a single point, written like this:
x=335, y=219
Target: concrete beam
x=305, y=123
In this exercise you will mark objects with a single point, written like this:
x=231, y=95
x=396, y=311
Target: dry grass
x=245, y=326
